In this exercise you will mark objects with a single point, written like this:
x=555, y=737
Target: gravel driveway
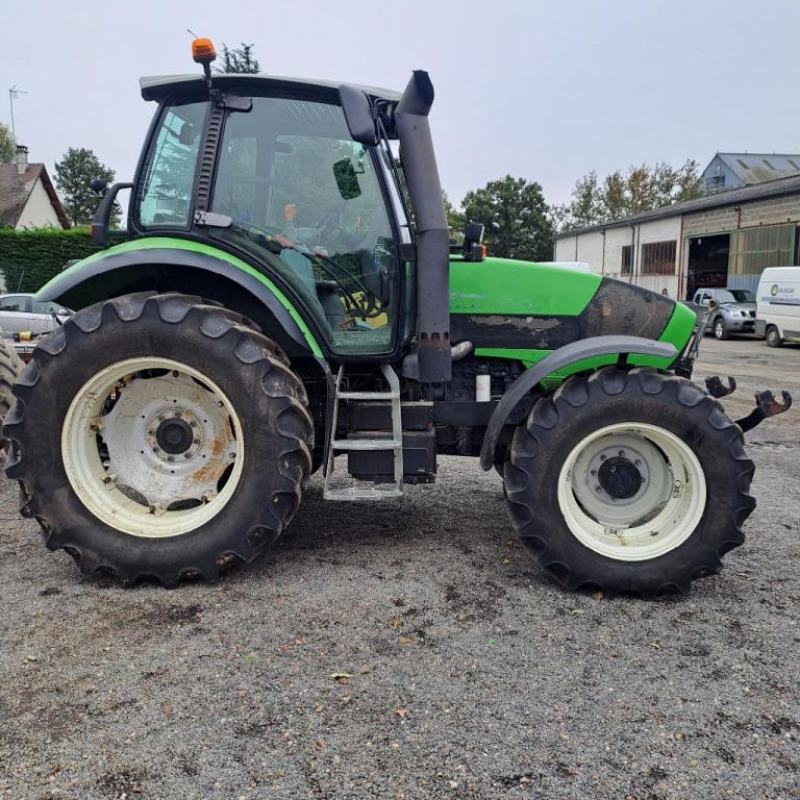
x=471, y=674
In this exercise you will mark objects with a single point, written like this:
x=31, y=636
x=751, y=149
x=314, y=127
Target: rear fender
x=565, y=356
x=201, y=270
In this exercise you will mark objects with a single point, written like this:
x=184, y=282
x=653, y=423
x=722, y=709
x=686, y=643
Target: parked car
x=20, y=313
x=735, y=311
x=778, y=305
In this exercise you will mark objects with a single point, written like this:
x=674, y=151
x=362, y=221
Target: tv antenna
x=14, y=94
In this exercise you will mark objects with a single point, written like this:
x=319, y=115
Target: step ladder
x=395, y=443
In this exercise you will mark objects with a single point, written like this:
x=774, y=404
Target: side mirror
x=103, y=214
x=358, y=114
x=346, y=179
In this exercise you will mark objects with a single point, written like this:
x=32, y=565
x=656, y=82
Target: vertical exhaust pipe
x=432, y=230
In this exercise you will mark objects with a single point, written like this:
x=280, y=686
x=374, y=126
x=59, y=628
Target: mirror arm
x=102, y=216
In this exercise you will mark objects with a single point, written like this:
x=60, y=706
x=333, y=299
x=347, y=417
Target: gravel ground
x=472, y=673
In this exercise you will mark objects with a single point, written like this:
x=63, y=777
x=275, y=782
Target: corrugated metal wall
x=755, y=249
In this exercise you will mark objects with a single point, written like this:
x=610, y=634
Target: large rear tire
x=629, y=481
x=10, y=368
x=156, y=436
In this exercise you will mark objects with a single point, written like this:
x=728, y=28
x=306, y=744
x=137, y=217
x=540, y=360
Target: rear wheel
x=10, y=367
x=158, y=436
x=774, y=337
x=721, y=331
x=630, y=481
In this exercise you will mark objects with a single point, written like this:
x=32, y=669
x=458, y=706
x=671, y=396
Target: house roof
x=758, y=191
x=15, y=189
x=753, y=168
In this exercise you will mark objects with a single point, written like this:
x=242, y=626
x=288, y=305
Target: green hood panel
x=523, y=311
x=66, y=278
x=507, y=286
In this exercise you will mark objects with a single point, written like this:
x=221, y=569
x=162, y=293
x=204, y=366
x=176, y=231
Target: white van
x=778, y=305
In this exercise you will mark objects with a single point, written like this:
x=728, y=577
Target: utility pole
x=13, y=94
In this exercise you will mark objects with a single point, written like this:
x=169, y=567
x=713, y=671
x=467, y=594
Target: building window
x=627, y=262
x=658, y=258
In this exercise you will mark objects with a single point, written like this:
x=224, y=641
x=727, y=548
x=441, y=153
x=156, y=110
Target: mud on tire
x=268, y=399
x=612, y=395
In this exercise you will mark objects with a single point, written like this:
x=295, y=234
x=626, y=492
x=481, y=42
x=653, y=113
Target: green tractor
x=289, y=293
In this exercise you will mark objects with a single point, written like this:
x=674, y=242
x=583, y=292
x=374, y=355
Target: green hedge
x=29, y=259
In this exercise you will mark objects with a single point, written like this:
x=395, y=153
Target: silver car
x=735, y=311
x=20, y=312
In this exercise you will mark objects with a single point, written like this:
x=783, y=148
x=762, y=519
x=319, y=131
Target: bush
x=29, y=259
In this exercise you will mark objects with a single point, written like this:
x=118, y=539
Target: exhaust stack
x=433, y=233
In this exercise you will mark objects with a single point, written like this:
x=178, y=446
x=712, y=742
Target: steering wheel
x=366, y=309
x=330, y=226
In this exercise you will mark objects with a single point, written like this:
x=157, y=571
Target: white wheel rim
x=133, y=484
x=662, y=513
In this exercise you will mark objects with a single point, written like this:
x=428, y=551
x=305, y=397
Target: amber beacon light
x=203, y=51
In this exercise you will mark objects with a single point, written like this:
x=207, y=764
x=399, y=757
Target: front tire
x=629, y=481
x=721, y=331
x=156, y=436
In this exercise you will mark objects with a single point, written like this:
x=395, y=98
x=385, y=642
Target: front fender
x=557, y=360
x=171, y=263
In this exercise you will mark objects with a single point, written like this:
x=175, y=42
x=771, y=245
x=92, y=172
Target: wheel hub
x=174, y=436
x=619, y=478
x=175, y=432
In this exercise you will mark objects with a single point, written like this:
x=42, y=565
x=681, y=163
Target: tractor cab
x=272, y=172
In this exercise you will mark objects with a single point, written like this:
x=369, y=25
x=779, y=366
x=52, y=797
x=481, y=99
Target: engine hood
x=505, y=304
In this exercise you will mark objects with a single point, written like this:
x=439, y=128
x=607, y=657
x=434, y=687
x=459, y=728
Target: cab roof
x=159, y=87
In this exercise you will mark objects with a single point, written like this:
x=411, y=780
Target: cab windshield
x=302, y=196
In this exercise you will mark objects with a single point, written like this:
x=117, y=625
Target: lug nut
x=598, y=488
x=602, y=458
x=594, y=472
x=622, y=452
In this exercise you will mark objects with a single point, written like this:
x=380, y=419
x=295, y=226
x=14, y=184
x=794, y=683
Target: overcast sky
x=542, y=89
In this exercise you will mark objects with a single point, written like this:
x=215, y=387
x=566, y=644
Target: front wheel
x=156, y=436
x=721, y=331
x=629, y=481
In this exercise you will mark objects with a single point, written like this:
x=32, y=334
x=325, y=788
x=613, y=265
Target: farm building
x=723, y=239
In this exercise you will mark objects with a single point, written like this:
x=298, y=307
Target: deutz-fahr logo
x=774, y=290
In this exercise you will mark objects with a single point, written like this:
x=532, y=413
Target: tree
x=517, y=219
x=455, y=219
x=78, y=167
x=621, y=194
x=239, y=59
x=8, y=147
